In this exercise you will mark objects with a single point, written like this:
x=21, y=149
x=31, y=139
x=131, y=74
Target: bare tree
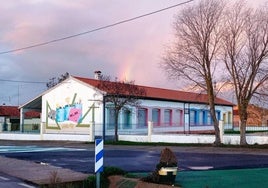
x=122, y=94
x=245, y=52
x=52, y=81
x=193, y=57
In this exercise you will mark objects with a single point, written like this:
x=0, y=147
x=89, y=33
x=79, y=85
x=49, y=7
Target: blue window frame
x=110, y=117
x=156, y=116
x=126, y=118
x=193, y=117
x=142, y=117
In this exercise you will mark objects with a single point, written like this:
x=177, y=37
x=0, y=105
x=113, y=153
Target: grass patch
x=238, y=178
x=238, y=132
x=128, y=143
x=244, y=178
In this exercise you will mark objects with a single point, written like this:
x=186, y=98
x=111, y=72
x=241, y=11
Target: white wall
x=66, y=93
x=193, y=139
x=150, y=104
x=48, y=137
x=32, y=121
x=190, y=139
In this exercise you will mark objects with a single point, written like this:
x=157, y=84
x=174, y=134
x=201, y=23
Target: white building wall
x=194, y=139
x=175, y=107
x=71, y=93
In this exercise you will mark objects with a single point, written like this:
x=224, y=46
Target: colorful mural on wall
x=68, y=115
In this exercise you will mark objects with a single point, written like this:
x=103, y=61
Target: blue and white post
x=98, y=160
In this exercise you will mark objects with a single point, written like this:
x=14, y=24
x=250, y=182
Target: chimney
x=97, y=75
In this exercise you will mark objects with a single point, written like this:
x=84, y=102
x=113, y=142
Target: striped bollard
x=98, y=160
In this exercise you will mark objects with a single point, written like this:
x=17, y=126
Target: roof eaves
x=199, y=97
x=87, y=83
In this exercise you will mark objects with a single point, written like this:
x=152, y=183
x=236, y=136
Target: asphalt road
x=139, y=158
x=7, y=181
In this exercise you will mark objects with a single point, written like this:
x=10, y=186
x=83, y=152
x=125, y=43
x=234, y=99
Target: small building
x=10, y=119
x=257, y=116
x=76, y=105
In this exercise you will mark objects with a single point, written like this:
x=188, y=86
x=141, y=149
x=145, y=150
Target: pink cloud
x=132, y=50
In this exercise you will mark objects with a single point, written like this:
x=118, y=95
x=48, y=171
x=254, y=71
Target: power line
x=21, y=81
x=94, y=30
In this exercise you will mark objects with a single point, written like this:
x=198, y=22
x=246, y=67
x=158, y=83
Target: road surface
x=138, y=159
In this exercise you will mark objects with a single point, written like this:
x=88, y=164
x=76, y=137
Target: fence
x=26, y=128
x=175, y=133
x=137, y=129
x=228, y=128
x=153, y=136
x=160, y=128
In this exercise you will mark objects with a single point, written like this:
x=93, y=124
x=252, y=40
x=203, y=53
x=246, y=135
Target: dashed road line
x=26, y=185
x=200, y=167
x=19, y=149
x=4, y=178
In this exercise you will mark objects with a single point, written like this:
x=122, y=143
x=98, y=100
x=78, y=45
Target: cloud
x=132, y=50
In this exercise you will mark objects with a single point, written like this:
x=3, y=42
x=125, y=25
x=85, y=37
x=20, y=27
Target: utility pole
x=18, y=95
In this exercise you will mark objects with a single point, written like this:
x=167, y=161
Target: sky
x=129, y=51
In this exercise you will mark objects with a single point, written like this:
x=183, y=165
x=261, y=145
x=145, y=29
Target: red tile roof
x=167, y=94
x=13, y=111
x=32, y=114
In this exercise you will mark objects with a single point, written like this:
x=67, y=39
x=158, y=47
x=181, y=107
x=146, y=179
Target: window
x=224, y=118
x=209, y=120
x=179, y=117
x=156, y=116
x=201, y=117
x=142, y=117
x=206, y=117
x=218, y=115
x=168, y=117
x=230, y=117
x=192, y=117
x=126, y=118
x=110, y=118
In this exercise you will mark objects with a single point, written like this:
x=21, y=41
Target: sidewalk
x=39, y=174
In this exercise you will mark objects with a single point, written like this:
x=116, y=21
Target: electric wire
x=93, y=30
x=21, y=81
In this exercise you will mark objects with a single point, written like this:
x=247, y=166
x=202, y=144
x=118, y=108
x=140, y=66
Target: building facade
x=10, y=119
x=77, y=105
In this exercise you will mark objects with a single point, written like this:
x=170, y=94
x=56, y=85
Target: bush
x=110, y=171
x=167, y=159
x=107, y=171
x=91, y=181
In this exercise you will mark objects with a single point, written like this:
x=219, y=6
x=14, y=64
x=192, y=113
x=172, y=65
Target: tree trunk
x=210, y=92
x=116, y=127
x=243, y=119
x=242, y=110
x=243, y=140
x=217, y=141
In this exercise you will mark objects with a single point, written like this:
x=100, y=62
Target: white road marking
x=25, y=185
x=18, y=149
x=200, y=167
x=4, y=178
